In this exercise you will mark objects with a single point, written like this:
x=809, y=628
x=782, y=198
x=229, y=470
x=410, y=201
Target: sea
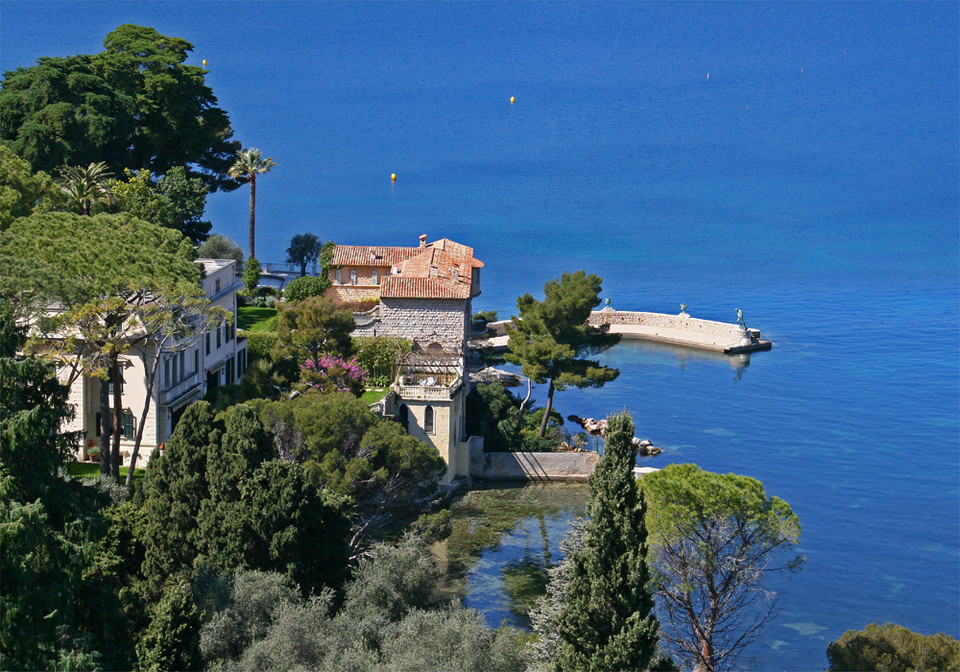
x=798, y=161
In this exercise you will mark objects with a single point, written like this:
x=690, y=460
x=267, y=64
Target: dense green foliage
x=551, y=338
x=387, y=474
x=219, y=246
x=714, y=538
x=607, y=621
x=22, y=192
x=378, y=356
x=305, y=287
x=496, y=415
x=53, y=610
x=134, y=105
x=218, y=500
x=251, y=275
x=176, y=200
x=391, y=620
x=892, y=648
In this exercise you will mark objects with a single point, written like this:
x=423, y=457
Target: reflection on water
x=505, y=537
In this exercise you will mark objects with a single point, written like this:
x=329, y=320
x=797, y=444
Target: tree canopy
x=176, y=200
x=134, y=105
x=892, y=647
x=304, y=249
x=551, y=338
x=714, y=539
x=22, y=191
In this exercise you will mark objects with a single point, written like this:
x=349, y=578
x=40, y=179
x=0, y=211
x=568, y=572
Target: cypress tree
x=608, y=621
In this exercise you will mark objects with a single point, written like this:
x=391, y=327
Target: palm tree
x=249, y=164
x=85, y=187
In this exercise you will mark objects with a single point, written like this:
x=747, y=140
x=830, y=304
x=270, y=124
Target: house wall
x=220, y=285
x=426, y=321
x=449, y=427
x=364, y=288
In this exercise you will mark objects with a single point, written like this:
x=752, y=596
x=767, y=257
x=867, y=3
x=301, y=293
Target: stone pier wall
x=530, y=466
x=693, y=325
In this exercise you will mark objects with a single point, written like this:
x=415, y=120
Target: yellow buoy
x=204, y=61
x=512, y=100
x=393, y=177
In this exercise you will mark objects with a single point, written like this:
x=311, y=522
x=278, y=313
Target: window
x=166, y=371
x=208, y=342
x=196, y=361
x=428, y=420
x=110, y=384
x=129, y=424
x=375, y=277
x=219, y=338
x=339, y=276
x=183, y=371
x=216, y=286
x=228, y=332
x=353, y=276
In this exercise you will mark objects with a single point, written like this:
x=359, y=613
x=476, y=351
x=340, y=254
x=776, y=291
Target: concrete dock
x=678, y=329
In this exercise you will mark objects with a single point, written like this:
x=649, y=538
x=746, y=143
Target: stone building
x=425, y=295
x=183, y=377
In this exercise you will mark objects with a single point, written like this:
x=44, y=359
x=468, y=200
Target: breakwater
x=678, y=329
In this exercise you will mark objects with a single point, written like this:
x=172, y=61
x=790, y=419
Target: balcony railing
x=409, y=389
x=171, y=393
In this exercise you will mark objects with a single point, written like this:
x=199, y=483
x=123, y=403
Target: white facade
x=214, y=359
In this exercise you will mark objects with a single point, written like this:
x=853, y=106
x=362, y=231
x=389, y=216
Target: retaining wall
x=530, y=466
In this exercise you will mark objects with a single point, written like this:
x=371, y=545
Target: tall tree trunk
x=526, y=399
x=117, y=420
x=253, y=208
x=104, y=428
x=546, y=410
x=151, y=383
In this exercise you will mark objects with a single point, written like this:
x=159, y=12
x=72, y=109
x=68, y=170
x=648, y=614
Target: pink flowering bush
x=332, y=373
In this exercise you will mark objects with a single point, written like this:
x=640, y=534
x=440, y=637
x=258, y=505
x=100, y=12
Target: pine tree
x=608, y=621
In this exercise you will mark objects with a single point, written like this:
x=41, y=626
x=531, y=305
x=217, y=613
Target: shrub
x=305, y=287
x=259, y=343
x=378, y=355
x=893, y=647
x=251, y=275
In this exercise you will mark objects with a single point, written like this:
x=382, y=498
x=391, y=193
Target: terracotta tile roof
x=367, y=255
x=396, y=287
x=442, y=269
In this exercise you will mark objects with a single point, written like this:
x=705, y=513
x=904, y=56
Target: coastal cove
x=796, y=161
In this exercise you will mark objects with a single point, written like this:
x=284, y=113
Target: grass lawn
x=92, y=470
x=371, y=396
x=251, y=318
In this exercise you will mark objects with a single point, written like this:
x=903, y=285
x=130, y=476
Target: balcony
x=170, y=394
x=427, y=389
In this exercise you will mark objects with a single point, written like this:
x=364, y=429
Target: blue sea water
x=796, y=160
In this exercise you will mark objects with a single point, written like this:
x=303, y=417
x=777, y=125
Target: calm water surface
x=811, y=180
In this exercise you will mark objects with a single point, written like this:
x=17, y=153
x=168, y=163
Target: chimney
x=423, y=240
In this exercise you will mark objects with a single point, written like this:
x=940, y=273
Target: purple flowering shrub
x=332, y=373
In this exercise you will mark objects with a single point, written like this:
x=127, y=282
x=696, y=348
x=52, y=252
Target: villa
x=425, y=295
x=184, y=376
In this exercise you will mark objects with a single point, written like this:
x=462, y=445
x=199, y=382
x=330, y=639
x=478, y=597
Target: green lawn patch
x=252, y=318
x=373, y=396
x=92, y=470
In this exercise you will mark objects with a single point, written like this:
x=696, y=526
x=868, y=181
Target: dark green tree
x=251, y=275
x=312, y=328
x=608, y=620
x=175, y=201
x=892, y=647
x=219, y=246
x=250, y=163
x=304, y=249
x=59, y=259
x=22, y=191
x=714, y=539
x=551, y=338
x=135, y=105
x=172, y=640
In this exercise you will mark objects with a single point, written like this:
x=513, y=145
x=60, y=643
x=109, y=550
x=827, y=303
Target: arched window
x=428, y=420
x=403, y=417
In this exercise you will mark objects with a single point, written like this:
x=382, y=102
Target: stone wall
x=682, y=321
x=426, y=321
x=530, y=466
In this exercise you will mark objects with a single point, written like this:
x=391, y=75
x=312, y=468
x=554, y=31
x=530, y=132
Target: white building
x=215, y=359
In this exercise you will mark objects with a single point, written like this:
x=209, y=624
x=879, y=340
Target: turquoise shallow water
x=811, y=180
